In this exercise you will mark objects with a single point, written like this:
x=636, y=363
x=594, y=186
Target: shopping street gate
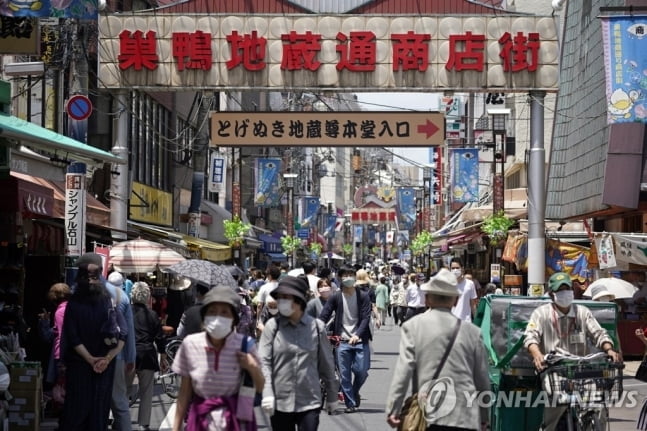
x=328, y=129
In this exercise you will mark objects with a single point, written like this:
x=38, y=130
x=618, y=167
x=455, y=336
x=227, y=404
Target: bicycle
x=586, y=385
x=170, y=380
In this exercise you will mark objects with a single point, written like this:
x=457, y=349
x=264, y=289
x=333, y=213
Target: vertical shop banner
x=630, y=248
x=267, y=187
x=465, y=175
x=436, y=186
x=406, y=207
x=389, y=237
x=217, y=174
x=75, y=209
x=331, y=222
x=606, y=254
x=104, y=252
x=310, y=211
x=357, y=234
x=403, y=238
x=625, y=44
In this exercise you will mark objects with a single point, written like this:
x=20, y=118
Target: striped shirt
x=212, y=373
x=550, y=329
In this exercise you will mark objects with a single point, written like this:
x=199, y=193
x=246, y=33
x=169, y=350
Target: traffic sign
x=78, y=107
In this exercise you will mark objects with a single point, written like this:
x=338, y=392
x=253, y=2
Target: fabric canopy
x=140, y=255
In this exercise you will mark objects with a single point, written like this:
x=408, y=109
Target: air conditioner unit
x=24, y=69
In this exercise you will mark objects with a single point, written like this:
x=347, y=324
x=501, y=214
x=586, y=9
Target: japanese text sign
x=353, y=52
x=357, y=128
x=75, y=209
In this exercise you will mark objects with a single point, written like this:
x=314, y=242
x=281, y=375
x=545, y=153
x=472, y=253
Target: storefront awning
x=208, y=250
x=31, y=199
x=32, y=135
x=277, y=257
x=97, y=213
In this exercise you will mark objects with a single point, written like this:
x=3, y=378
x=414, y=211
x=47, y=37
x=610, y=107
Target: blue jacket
x=128, y=353
x=336, y=303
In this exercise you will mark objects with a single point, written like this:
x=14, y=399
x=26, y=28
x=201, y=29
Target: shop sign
x=436, y=186
x=434, y=53
x=311, y=129
x=19, y=35
x=151, y=205
x=217, y=174
x=75, y=209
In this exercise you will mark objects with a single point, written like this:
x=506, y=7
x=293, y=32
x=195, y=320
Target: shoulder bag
x=641, y=372
x=413, y=415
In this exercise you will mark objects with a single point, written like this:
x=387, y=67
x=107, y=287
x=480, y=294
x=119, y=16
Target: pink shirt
x=59, y=315
x=212, y=373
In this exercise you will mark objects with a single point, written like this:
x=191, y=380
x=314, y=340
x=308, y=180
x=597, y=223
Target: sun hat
x=598, y=291
x=556, y=280
x=223, y=294
x=443, y=283
x=116, y=279
x=90, y=258
x=295, y=286
x=180, y=283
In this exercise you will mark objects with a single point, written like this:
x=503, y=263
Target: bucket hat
x=223, y=294
x=599, y=291
x=556, y=280
x=443, y=283
x=180, y=283
x=295, y=286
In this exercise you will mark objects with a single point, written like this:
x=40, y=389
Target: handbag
x=641, y=372
x=248, y=398
x=413, y=416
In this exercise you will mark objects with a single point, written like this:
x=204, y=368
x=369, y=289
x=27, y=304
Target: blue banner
x=267, y=187
x=310, y=211
x=81, y=9
x=465, y=175
x=625, y=61
x=331, y=221
x=406, y=206
x=357, y=234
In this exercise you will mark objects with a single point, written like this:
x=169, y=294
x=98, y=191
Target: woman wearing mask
x=270, y=309
x=315, y=305
x=295, y=355
x=211, y=364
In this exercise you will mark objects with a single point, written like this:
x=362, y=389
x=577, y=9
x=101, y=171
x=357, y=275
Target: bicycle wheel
x=170, y=384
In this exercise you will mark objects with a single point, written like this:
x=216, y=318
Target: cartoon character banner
x=406, y=207
x=310, y=211
x=267, y=193
x=625, y=44
x=606, y=254
x=465, y=175
x=80, y=9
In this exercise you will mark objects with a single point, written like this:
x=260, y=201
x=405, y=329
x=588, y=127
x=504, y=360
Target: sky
x=402, y=102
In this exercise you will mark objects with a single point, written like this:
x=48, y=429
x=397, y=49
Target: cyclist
x=561, y=325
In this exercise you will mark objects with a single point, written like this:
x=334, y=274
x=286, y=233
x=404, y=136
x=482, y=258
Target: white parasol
x=616, y=286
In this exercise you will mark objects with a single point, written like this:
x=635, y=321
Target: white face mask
x=272, y=311
x=285, y=307
x=457, y=272
x=564, y=298
x=218, y=326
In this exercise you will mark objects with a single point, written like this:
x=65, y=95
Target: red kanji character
x=359, y=54
x=514, y=52
x=301, y=50
x=471, y=58
x=196, y=46
x=410, y=51
x=248, y=50
x=137, y=51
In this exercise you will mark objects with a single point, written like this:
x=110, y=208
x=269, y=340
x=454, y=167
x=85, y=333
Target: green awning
x=33, y=135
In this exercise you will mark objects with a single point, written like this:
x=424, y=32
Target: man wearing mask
x=466, y=305
x=563, y=325
x=415, y=297
x=352, y=308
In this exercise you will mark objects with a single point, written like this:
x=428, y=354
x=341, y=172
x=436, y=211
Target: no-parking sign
x=78, y=107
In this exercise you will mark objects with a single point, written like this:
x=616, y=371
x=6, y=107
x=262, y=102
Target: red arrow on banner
x=428, y=128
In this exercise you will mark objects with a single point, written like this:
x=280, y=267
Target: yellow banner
x=151, y=205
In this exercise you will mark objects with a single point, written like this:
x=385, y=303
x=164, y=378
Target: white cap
x=116, y=279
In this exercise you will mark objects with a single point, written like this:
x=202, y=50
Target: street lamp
x=289, y=183
x=499, y=117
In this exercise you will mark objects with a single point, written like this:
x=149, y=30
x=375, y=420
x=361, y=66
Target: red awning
x=31, y=199
x=373, y=215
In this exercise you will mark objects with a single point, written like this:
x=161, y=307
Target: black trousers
x=300, y=421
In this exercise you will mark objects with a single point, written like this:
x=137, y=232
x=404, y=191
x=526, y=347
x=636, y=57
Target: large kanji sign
x=311, y=129
x=434, y=53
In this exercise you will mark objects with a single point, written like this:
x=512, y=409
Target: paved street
x=371, y=416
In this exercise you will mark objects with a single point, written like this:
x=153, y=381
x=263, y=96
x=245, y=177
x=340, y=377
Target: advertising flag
x=465, y=175
x=331, y=222
x=267, y=187
x=435, y=189
x=357, y=234
x=625, y=44
x=310, y=211
x=406, y=207
x=606, y=254
x=631, y=248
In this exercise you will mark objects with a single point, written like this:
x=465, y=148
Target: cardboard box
x=25, y=376
x=19, y=421
x=25, y=401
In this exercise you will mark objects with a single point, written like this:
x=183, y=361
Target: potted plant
x=235, y=230
x=496, y=226
x=290, y=244
x=315, y=248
